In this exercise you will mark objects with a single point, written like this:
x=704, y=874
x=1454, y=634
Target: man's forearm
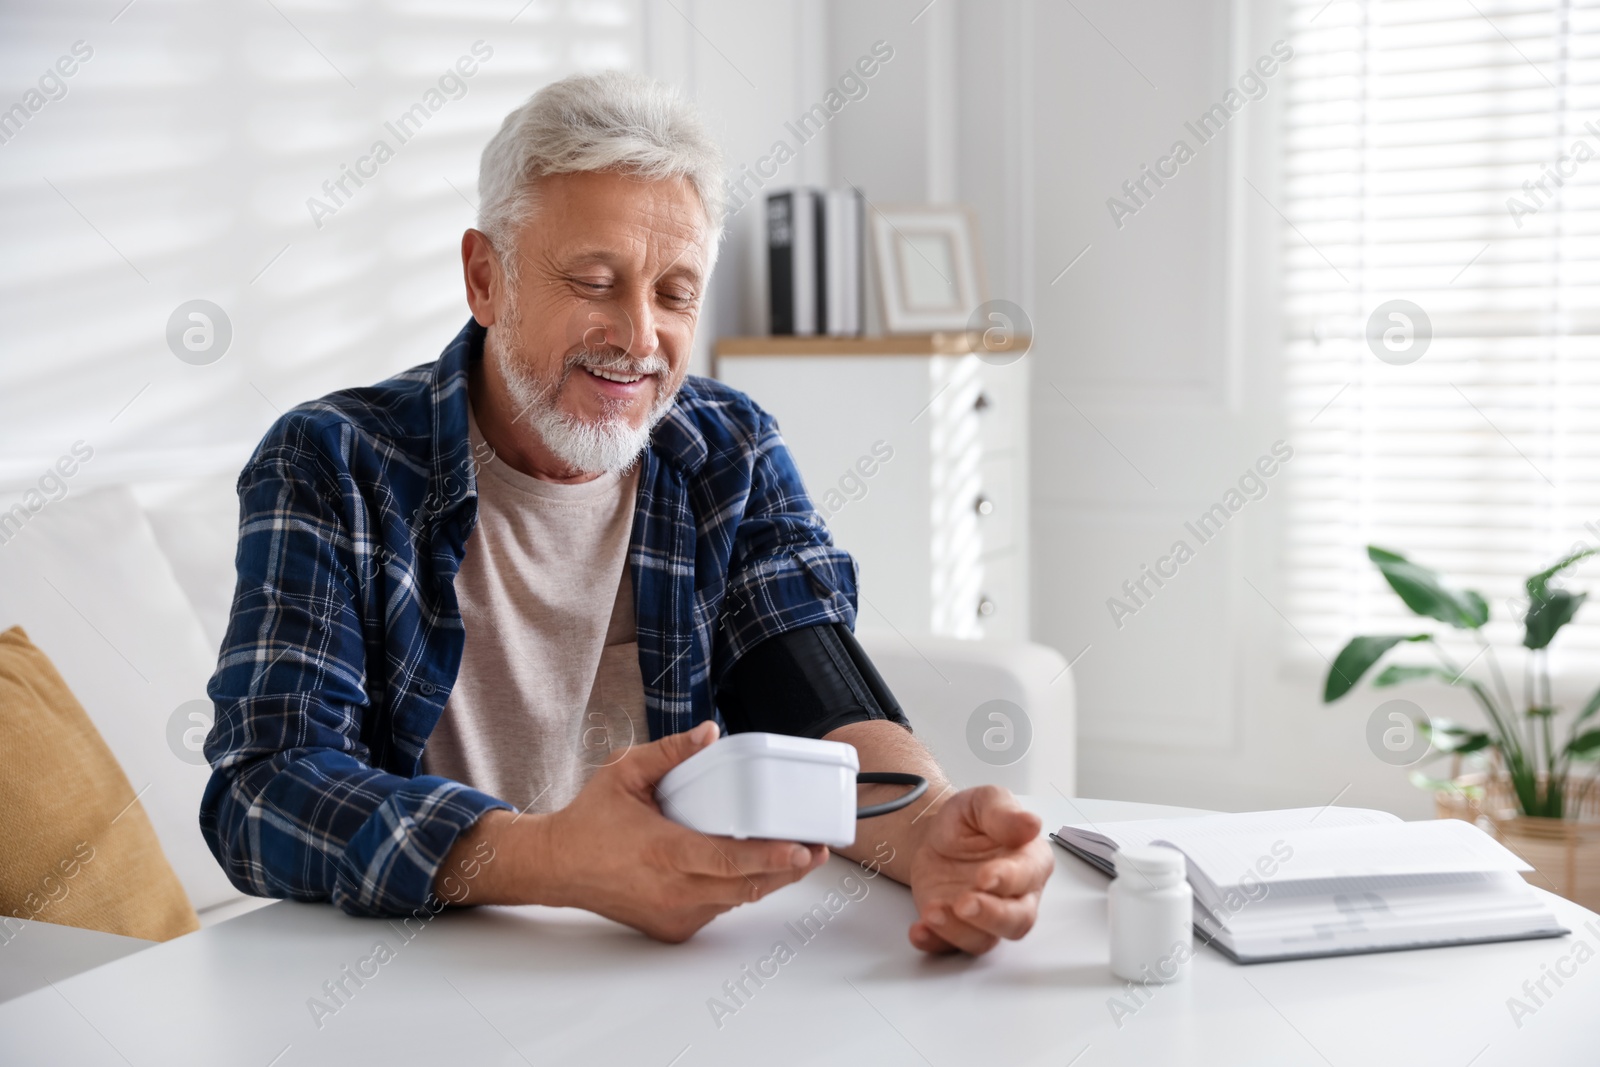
x=503, y=858
x=506, y=858
x=889, y=841
x=612, y=852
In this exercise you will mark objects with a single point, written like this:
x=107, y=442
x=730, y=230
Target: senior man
x=483, y=606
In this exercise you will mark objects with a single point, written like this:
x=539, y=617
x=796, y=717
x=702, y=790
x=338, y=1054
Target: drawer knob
x=985, y=607
x=983, y=505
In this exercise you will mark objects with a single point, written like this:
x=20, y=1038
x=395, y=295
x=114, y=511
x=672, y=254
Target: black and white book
x=793, y=261
x=1279, y=885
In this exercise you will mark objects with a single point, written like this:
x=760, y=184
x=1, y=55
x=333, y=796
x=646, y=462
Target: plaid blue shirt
x=345, y=636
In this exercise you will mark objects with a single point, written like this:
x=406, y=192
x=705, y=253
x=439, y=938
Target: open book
x=1278, y=885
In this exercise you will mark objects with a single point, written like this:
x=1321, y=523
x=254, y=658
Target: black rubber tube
x=919, y=786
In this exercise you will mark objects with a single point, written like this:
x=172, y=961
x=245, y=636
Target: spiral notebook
x=1305, y=882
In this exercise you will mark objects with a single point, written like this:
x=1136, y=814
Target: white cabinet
x=914, y=450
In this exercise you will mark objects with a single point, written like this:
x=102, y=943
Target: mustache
x=614, y=359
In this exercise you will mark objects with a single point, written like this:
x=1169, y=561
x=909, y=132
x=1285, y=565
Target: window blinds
x=1444, y=153
x=228, y=153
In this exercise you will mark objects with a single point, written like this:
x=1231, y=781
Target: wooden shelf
x=954, y=343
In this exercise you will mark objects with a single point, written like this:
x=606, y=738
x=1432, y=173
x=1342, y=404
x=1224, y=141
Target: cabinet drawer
x=996, y=503
x=999, y=608
x=1002, y=405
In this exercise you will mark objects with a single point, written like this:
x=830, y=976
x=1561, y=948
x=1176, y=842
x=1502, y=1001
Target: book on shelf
x=1280, y=885
x=814, y=261
x=841, y=263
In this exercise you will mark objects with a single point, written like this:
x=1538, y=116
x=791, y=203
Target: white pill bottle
x=1151, y=910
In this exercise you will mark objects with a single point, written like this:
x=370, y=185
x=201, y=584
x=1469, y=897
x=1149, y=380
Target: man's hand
x=974, y=860
x=977, y=873
x=611, y=851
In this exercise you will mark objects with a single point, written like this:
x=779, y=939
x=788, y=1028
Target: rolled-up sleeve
x=294, y=807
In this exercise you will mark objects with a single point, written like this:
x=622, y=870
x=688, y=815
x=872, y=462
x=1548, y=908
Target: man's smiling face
x=590, y=339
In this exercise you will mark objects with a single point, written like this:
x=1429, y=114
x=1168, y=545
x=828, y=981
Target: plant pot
x=1564, y=853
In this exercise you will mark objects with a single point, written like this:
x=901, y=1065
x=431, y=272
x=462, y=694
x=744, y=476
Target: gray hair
x=591, y=122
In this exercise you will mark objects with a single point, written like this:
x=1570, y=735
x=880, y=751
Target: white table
x=541, y=986
x=38, y=953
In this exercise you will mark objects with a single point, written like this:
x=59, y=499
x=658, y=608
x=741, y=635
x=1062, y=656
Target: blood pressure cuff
x=805, y=683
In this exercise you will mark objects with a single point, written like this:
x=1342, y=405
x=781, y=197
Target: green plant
x=1539, y=770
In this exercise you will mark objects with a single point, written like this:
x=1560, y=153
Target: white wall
x=751, y=68
x=1155, y=370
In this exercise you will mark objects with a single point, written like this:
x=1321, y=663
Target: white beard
x=608, y=445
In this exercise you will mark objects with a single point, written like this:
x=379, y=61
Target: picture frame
x=929, y=273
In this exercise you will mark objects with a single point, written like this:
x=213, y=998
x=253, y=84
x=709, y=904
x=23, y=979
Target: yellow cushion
x=76, y=847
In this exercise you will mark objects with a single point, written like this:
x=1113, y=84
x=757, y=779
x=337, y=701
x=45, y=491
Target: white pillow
x=196, y=523
x=85, y=578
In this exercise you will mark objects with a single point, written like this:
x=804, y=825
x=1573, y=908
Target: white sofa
x=90, y=581
x=991, y=711
x=127, y=589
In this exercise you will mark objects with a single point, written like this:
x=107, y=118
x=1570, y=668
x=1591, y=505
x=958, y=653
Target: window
x=1441, y=154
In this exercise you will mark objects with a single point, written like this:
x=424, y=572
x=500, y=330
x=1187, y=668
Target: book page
x=1350, y=853
x=1139, y=832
